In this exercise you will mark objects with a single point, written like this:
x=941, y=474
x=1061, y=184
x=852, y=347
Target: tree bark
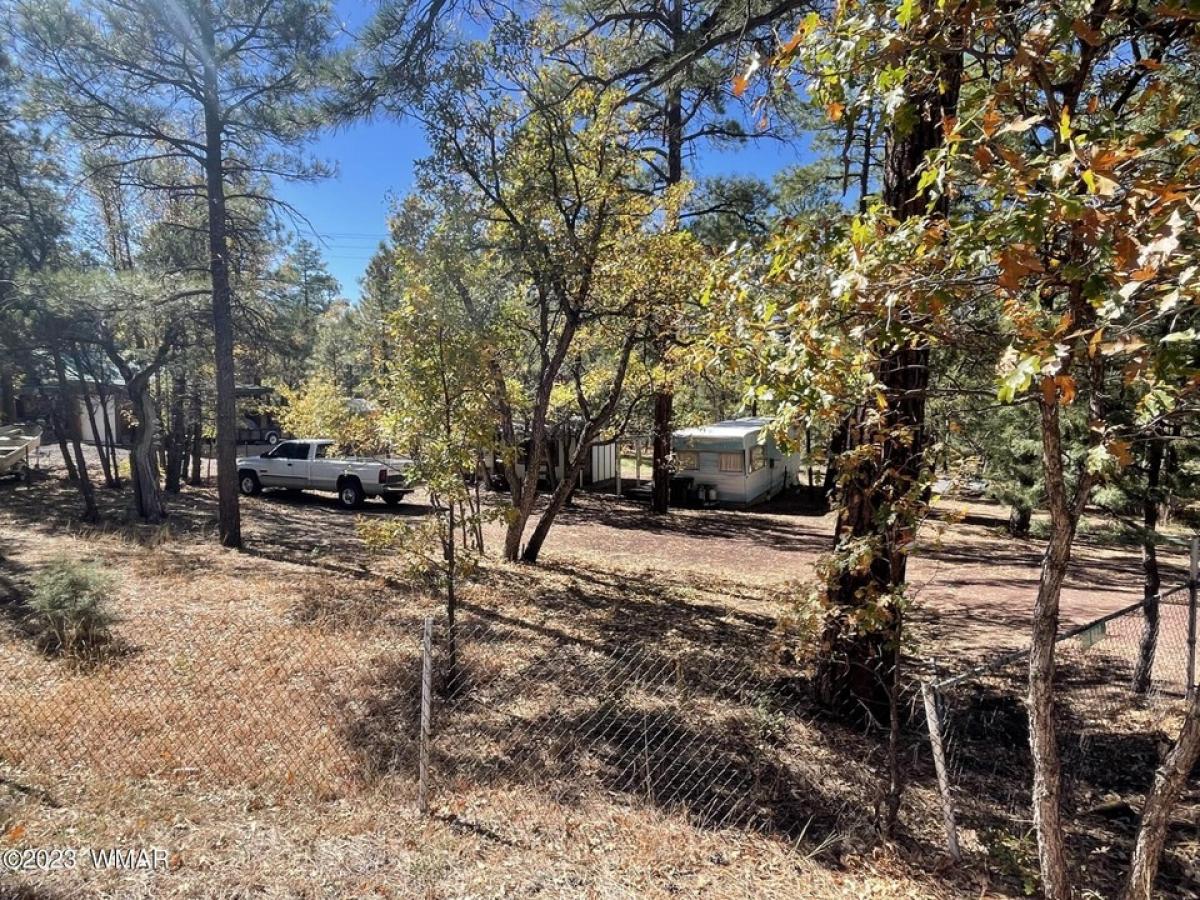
x=197, y=437
x=58, y=423
x=661, y=461
x=90, y=512
x=837, y=446
x=106, y=462
x=1043, y=740
x=856, y=666
x=1151, y=581
x=664, y=401
x=8, y=396
x=177, y=446
x=143, y=467
x=1169, y=782
x=228, y=509
x=587, y=437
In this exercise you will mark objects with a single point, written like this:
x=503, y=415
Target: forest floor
x=257, y=722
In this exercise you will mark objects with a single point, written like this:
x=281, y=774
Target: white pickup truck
x=309, y=465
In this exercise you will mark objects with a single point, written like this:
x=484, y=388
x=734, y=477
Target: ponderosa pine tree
x=225, y=89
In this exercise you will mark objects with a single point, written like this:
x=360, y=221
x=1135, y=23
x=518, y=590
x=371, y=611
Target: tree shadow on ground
x=774, y=528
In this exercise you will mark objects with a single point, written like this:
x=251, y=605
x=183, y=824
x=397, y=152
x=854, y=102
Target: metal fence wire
x=705, y=735
x=239, y=700
x=1109, y=734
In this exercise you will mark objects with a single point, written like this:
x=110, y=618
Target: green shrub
x=70, y=608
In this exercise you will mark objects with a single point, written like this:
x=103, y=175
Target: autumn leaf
x=1065, y=385
x=991, y=121
x=1020, y=126
x=1087, y=33
x=834, y=110
x=1119, y=449
x=741, y=82
x=1016, y=262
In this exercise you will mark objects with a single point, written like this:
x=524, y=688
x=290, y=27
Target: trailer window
x=758, y=458
x=687, y=460
x=733, y=462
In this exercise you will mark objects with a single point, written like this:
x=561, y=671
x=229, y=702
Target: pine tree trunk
x=90, y=512
x=661, y=463
x=176, y=447
x=228, y=510
x=91, y=414
x=197, y=437
x=143, y=467
x=664, y=401
x=8, y=396
x=1151, y=581
x=58, y=423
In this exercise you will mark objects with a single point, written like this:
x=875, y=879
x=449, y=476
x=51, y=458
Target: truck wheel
x=249, y=483
x=350, y=493
x=272, y=438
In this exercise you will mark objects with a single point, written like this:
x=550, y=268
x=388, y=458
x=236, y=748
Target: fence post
x=426, y=703
x=1193, y=575
x=933, y=720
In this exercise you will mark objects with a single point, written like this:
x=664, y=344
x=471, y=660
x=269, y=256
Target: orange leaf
x=14, y=834
x=983, y=157
x=1016, y=262
x=834, y=110
x=1066, y=388
x=991, y=121
x=740, y=83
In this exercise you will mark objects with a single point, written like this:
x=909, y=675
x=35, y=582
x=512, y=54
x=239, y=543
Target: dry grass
x=260, y=726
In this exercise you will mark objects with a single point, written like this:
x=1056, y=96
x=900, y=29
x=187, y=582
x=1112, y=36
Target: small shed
x=739, y=457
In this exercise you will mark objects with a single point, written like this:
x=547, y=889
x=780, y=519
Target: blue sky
x=374, y=159
x=349, y=212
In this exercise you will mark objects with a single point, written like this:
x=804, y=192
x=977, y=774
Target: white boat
x=17, y=444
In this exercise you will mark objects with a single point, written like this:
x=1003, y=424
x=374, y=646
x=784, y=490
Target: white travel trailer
x=738, y=458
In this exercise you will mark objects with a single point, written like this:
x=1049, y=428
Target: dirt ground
x=332, y=630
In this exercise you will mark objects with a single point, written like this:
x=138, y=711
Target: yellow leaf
x=1064, y=125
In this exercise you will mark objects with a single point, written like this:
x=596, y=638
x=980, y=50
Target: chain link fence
x=237, y=700
x=707, y=735
x=1110, y=734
